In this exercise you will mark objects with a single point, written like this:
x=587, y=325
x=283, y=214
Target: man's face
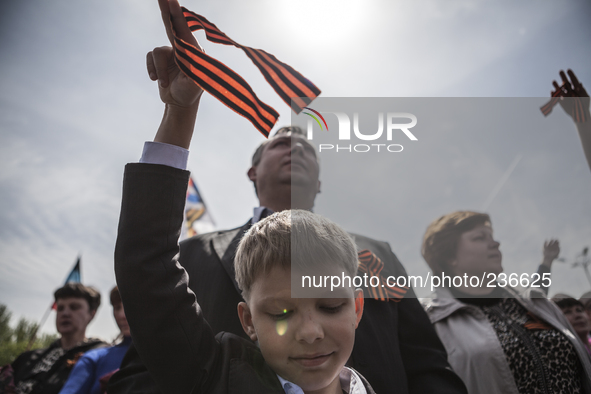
x=286, y=160
x=306, y=341
x=73, y=315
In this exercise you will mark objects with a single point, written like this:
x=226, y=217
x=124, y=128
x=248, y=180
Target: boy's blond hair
x=308, y=240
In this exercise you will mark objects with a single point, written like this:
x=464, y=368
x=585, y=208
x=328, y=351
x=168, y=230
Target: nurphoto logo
x=394, y=125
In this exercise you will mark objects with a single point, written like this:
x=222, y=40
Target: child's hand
x=175, y=87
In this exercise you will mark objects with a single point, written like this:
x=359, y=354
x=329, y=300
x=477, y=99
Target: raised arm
x=570, y=89
x=167, y=326
x=169, y=333
x=550, y=252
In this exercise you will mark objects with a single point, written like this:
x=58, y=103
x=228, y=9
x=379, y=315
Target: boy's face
x=306, y=341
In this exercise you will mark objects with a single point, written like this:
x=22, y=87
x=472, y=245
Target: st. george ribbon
x=230, y=88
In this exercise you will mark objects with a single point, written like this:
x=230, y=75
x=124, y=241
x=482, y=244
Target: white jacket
x=474, y=350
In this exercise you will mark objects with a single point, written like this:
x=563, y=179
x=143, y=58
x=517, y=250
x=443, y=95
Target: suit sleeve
x=132, y=377
x=167, y=326
x=423, y=355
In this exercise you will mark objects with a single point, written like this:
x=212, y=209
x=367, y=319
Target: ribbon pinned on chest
x=371, y=264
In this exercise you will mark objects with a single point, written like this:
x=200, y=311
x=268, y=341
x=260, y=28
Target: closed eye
x=280, y=316
x=332, y=309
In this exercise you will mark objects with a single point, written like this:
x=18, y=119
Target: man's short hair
x=114, y=296
x=440, y=242
x=78, y=290
x=258, y=153
x=565, y=301
x=314, y=240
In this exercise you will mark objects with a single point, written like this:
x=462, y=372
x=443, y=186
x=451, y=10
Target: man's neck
x=69, y=341
x=278, y=203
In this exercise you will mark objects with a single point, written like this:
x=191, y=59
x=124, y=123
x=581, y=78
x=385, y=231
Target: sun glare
x=281, y=327
x=323, y=22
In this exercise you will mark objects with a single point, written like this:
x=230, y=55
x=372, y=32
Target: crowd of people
x=73, y=363
x=215, y=314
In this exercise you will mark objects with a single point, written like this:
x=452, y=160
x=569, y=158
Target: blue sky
x=76, y=105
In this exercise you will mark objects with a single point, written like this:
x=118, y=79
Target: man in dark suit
x=395, y=344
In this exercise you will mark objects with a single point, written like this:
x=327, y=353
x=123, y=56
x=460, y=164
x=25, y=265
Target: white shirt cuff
x=165, y=154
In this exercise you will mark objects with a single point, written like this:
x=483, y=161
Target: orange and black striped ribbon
x=579, y=114
x=371, y=265
x=535, y=323
x=547, y=108
x=230, y=88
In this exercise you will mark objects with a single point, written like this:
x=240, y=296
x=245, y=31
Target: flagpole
x=46, y=315
x=43, y=319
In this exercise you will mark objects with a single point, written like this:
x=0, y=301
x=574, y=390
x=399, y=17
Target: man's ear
x=451, y=263
x=318, y=192
x=252, y=173
x=246, y=320
x=92, y=313
x=359, y=302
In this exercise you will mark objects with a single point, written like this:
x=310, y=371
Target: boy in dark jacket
x=302, y=342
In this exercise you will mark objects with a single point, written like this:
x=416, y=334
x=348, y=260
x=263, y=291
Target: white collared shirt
x=166, y=154
x=350, y=383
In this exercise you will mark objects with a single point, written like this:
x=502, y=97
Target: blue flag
x=74, y=277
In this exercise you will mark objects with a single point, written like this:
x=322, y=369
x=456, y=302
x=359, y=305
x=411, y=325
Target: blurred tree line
x=14, y=341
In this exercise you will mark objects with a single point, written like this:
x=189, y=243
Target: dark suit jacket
x=395, y=343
